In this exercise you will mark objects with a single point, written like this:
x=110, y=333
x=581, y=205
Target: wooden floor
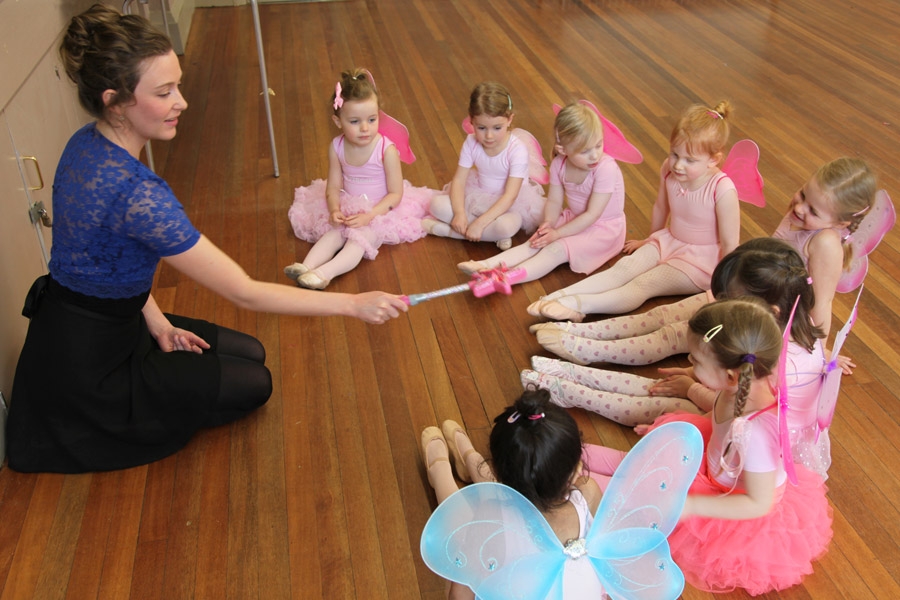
x=322, y=493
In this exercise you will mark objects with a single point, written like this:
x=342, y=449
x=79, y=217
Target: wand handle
x=414, y=299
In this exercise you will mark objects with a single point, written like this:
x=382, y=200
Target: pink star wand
x=483, y=283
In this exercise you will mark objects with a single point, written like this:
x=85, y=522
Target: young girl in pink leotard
x=365, y=202
x=491, y=196
x=701, y=206
x=743, y=525
x=766, y=268
x=591, y=229
x=831, y=205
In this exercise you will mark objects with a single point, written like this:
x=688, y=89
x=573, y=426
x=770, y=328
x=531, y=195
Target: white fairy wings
x=489, y=537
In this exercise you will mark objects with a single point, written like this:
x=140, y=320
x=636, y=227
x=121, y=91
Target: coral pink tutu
x=310, y=219
x=769, y=553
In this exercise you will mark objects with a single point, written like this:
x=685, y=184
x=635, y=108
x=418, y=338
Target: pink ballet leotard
x=798, y=239
x=364, y=187
x=589, y=249
x=691, y=241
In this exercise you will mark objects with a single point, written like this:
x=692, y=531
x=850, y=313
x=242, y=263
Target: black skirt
x=93, y=391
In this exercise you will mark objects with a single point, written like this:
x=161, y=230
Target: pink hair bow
x=338, y=101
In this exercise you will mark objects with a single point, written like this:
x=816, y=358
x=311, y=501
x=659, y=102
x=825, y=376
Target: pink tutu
x=309, y=217
x=529, y=203
x=772, y=552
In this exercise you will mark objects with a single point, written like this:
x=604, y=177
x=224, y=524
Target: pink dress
x=691, y=241
x=605, y=237
x=771, y=552
x=364, y=187
x=487, y=180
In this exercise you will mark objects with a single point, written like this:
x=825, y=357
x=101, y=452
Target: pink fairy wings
x=741, y=166
x=614, y=142
x=783, y=406
x=879, y=220
x=828, y=395
x=397, y=132
x=537, y=164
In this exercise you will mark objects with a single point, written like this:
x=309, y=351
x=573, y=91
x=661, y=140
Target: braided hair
x=851, y=185
x=743, y=336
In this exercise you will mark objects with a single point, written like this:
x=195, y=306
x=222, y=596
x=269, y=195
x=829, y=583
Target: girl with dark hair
x=536, y=449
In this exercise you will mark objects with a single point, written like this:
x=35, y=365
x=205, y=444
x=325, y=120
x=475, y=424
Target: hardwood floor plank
x=322, y=492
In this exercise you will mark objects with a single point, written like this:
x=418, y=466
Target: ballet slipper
x=312, y=280
x=472, y=266
x=295, y=270
x=534, y=309
x=428, y=224
x=430, y=434
x=504, y=244
x=554, y=367
x=532, y=379
x=559, y=312
x=450, y=429
x=551, y=340
x=551, y=326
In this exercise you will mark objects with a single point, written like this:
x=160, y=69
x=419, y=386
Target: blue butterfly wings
x=490, y=538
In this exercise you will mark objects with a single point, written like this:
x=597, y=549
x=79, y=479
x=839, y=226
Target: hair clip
x=712, y=333
x=715, y=114
x=338, y=101
x=749, y=358
x=861, y=212
x=809, y=280
x=515, y=417
x=509, y=102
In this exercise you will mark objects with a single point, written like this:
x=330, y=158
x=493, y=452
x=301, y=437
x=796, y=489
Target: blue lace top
x=113, y=219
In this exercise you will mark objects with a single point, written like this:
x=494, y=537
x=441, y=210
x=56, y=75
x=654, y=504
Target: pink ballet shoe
x=534, y=309
x=472, y=266
x=559, y=312
x=551, y=326
x=313, y=281
x=431, y=434
x=552, y=341
x=450, y=429
x=295, y=270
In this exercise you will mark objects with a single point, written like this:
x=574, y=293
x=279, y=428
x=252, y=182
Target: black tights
x=245, y=383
